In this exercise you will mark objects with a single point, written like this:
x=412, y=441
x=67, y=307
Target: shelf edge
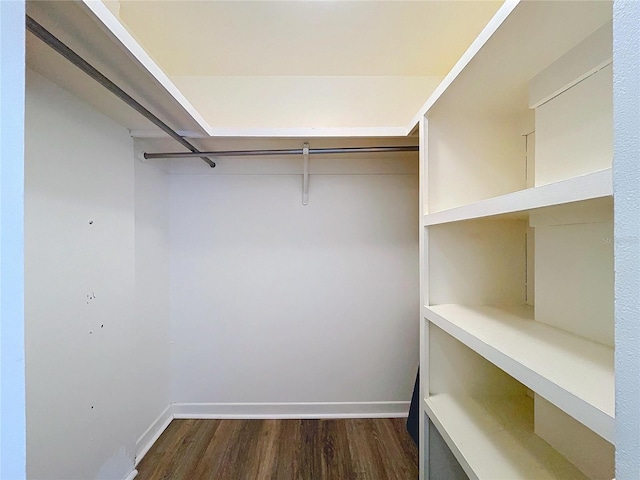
x=448, y=440
x=584, y=187
x=498, y=19
x=459, y=444
x=578, y=408
x=109, y=22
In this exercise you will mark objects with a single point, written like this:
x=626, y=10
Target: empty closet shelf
x=575, y=374
x=582, y=187
x=492, y=438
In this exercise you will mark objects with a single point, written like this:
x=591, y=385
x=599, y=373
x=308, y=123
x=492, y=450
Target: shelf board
x=90, y=29
x=520, y=41
x=116, y=55
x=493, y=438
x=497, y=20
x=575, y=374
x=584, y=187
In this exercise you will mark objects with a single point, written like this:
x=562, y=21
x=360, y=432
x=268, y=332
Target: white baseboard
x=263, y=411
x=132, y=475
x=148, y=438
x=291, y=410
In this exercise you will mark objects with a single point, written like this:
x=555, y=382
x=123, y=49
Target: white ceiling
x=306, y=38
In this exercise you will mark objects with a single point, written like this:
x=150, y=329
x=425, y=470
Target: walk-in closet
x=232, y=233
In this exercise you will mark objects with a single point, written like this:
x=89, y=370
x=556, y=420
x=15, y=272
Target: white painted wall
x=574, y=133
x=12, y=376
x=92, y=332
x=568, y=295
x=272, y=301
x=462, y=172
x=626, y=186
x=152, y=294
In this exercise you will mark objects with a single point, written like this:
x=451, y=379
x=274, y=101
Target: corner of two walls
x=250, y=304
x=96, y=327
x=152, y=301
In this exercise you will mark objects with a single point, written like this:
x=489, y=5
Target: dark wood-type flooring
x=343, y=449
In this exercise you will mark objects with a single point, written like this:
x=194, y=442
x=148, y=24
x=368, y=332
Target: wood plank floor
x=345, y=449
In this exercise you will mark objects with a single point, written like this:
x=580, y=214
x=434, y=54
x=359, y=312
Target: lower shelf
x=574, y=373
x=493, y=438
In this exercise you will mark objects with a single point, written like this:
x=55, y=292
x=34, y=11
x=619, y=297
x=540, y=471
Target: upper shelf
x=584, y=187
x=90, y=29
x=521, y=40
x=574, y=373
x=76, y=25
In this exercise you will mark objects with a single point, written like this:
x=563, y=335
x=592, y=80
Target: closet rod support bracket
x=305, y=175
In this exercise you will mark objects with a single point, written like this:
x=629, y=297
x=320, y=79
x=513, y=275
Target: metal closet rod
x=53, y=42
x=291, y=151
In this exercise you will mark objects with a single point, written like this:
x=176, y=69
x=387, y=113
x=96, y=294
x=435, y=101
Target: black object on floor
x=414, y=411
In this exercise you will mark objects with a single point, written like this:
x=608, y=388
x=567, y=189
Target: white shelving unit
x=517, y=248
x=479, y=430
x=584, y=187
x=575, y=372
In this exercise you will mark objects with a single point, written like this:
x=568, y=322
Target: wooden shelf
x=115, y=54
x=584, y=187
x=541, y=117
x=520, y=41
x=575, y=374
x=90, y=29
x=492, y=438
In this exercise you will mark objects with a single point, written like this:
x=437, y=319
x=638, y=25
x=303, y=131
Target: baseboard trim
x=148, y=438
x=132, y=475
x=306, y=410
x=291, y=410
